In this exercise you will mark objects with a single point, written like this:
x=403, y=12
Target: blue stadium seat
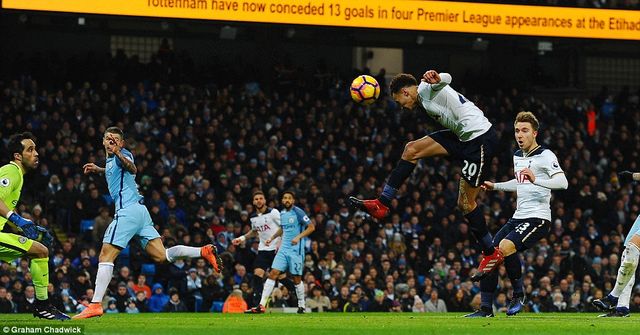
x=216, y=307
x=87, y=225
x=148, y=269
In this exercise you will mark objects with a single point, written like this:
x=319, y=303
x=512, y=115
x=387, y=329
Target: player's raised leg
x=159, y=254
x=413, y=151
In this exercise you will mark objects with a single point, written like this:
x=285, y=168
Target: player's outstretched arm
x=239, y=240
x=508, y=186
x=437, y=80
x=557, y=182
x=92, y=168
x=311, y=227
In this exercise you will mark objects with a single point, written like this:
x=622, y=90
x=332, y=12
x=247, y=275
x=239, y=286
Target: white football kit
x=266, y=225
x=534, y=200
x=452, y=110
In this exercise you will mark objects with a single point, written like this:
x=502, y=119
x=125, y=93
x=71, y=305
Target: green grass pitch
x=340, y=323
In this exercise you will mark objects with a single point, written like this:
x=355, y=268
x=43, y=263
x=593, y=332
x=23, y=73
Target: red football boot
x=374, y=207
x=488, y=264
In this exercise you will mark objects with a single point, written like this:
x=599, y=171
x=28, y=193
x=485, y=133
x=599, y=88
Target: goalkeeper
x=24, y=158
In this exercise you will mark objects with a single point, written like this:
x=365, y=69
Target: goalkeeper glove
x=28, y=227
x=47, y=238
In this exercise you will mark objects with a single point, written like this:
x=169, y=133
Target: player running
x=291, y=254
x=537, y=172
x=616, y=303
x=469, y=137
x=24, y=158
x=132, y=221
x=265, y=222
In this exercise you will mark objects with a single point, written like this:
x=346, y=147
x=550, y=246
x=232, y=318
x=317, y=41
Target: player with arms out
x=537, y=173
x=616, y=303
x=293, y=221
x=264, y=222
x=132, y=221
x=469, y=137
x=24, y=158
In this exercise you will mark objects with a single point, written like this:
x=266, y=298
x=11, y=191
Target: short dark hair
x=115, y=130
x=15, y=143
x=400, y=81
x=293, y=195
x=257, y=193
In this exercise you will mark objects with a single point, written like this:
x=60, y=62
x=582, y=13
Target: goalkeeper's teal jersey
x=11, y=180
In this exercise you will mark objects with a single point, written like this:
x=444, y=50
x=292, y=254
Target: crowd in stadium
x=202, y=149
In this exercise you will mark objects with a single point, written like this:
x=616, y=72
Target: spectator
x=158, y=300
x=142, y=302
x=318, y=302
x=6, y=305
x=112, y=307
x=418, y=305
x=175, y=304
x=235, y=303
x=353, y=305
x=141, y=286
x=434, y=304
x=132, y=308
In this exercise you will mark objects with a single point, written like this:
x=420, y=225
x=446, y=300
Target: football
x=365, y=89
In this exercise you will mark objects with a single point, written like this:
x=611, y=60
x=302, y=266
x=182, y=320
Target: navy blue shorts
x=476, y=155
x=524, y=233
x=264, y=259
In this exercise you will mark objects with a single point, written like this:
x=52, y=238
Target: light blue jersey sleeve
x=302, y=217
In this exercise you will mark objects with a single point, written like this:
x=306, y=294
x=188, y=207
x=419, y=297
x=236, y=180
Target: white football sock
x=103, y=277
x=266, y=291
x=625, y=296
x=300, y=294
x=182, y=252
x=627, y=268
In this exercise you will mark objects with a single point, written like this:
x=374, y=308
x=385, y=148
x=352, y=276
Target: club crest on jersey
x=291, y=220
x=5, y=182
x=521, y=177
x=555, y=165
x=262, y=228
x=22, y=240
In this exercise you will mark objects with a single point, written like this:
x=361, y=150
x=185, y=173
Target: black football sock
x=478, y=227
x=258, y=285
x=401, y=172
x=488, y=286
x=514, y=270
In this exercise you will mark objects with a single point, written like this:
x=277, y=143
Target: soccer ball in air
x=365, y=89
